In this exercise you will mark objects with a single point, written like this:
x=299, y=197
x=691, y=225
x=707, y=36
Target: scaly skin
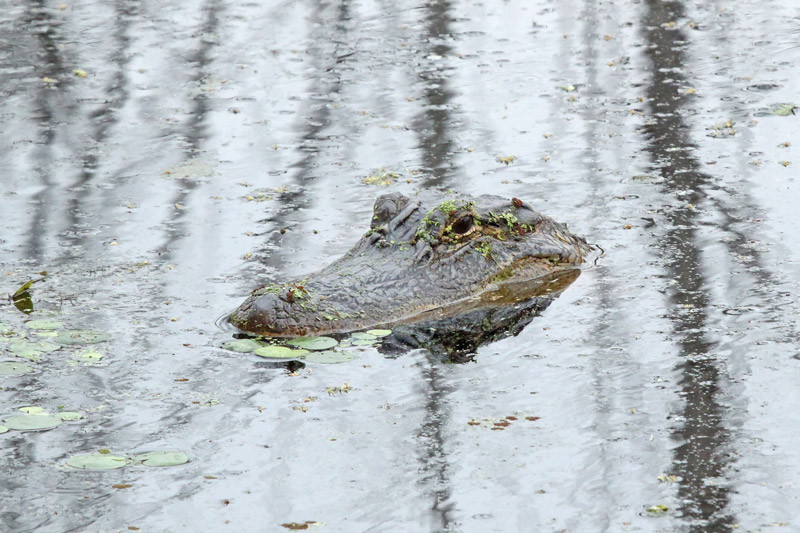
x=419, y=260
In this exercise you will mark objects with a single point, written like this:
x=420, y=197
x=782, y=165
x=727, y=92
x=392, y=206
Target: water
x=153, y=192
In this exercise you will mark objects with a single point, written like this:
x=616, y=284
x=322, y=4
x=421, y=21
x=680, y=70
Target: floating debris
x=784, y=110
x=382, y=177
x=657, y=510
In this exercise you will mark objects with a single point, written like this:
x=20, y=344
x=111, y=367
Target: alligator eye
x=462, y=225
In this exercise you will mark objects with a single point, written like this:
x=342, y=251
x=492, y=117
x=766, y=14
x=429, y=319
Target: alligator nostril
x=377, y=234
x=425, y=252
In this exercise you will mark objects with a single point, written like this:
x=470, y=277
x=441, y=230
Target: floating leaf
x=97, y=461
x=42, y=346
x=69, y=415
x=313, y=343
x=363, y=342
x=243, y=345
x=23, y=302
x=5, y=330
x=173, y=458
x=364, y=336
x=31, y=350
x=81, y=336
x=14, y=369
x=88, y=356
x=32, y=409
x=280, y=352
x=783, y=110
x=657, y=510
x=379, y=332
x=32, y=422
x=328, y=357
x=44, y=324
x=24, y=287
x=3, y=429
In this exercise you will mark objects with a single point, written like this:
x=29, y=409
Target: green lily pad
x=32, y=422
x=3, y=429
x=8, y=368
x=279, y=352
x=97, y=461
x=31, y=349
x=88, y=356
x=364, y=342
x=379, y=332
x=44, y=324
x=32, y=409
x=313, y=343
x=328, y=357
x=81, y=336
x=69, y=415
x=162, y=458
x=243, y=345
x=364, y=336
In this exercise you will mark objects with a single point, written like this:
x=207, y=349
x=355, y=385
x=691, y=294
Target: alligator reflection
x=434, y=125
x=699, y=460
x=503, y=312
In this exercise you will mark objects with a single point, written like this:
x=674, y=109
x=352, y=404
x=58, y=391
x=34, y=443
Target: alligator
x=453, y=273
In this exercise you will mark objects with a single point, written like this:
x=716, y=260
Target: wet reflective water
x=211, y=148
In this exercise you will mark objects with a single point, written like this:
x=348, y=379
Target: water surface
x=213, y=147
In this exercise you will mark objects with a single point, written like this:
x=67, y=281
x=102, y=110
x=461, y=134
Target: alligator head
x=424, y=263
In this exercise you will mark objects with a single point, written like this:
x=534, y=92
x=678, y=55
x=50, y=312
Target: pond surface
x=162, y=160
